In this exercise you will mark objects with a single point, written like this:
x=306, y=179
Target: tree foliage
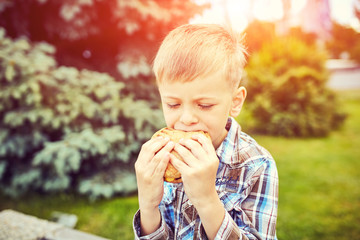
x=63, y=124
x=119, y=37
x=66, y=129
x=344, y=40
x=254, y=40
x=286, y=82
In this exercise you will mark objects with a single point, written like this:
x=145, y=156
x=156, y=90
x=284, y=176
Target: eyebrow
x=201, y=98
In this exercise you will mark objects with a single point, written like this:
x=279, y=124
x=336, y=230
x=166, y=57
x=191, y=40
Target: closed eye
x=173, y=105
x=206, y=106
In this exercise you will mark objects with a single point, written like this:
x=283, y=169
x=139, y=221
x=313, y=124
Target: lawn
x=319, y=189
x=319, y=181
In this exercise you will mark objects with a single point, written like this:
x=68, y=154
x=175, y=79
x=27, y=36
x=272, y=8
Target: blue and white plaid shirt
x=247, y=185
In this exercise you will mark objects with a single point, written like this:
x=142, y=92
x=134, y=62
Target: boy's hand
x=198, y=171
x=149, y=168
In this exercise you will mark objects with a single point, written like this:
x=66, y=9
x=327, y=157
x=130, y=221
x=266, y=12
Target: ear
x=237, y=101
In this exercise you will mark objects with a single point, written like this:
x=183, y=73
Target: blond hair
x=196, y=50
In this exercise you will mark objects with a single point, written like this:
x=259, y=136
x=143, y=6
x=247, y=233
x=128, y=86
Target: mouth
x=191, y=130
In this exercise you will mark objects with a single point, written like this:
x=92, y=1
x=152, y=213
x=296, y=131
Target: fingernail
x=197, y=136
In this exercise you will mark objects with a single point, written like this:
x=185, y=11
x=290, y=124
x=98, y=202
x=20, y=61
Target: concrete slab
x=19, y=226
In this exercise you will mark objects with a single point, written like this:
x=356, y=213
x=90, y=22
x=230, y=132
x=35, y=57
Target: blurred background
x=78, y=99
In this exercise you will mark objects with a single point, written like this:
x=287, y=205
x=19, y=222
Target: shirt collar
x=226, y=148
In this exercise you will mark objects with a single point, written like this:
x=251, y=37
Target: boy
x=230, y=183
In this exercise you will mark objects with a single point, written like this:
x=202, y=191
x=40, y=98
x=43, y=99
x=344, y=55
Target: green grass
x=319, y=194
x=107, y=218
x=319, y=189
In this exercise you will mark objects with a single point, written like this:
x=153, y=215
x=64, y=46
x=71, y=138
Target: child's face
x=202, y=104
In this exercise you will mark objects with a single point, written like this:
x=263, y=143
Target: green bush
x=62, y=129
x=287, y=93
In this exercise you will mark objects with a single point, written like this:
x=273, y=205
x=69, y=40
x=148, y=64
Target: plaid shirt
x=247, y=185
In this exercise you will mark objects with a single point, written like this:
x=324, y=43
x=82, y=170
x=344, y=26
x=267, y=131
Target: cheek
x=169, y=117
x=216, y=124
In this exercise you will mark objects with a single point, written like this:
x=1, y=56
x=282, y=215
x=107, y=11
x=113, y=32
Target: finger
x=178, y=164
x=160, y=155
x=205, y=142
x=186, y=154
x=151, y=147
x=194, y=146
x=161, y=167
x=151, y=168
x=167, y=148
x=158, y=143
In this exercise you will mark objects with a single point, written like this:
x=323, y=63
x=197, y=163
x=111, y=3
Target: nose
x=188, y=117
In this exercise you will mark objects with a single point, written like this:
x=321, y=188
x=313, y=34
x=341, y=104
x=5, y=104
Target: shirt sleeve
x=228, y=229
x=161, y=233
x=255, y=216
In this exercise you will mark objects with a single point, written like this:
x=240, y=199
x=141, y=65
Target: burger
x=172, y=175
